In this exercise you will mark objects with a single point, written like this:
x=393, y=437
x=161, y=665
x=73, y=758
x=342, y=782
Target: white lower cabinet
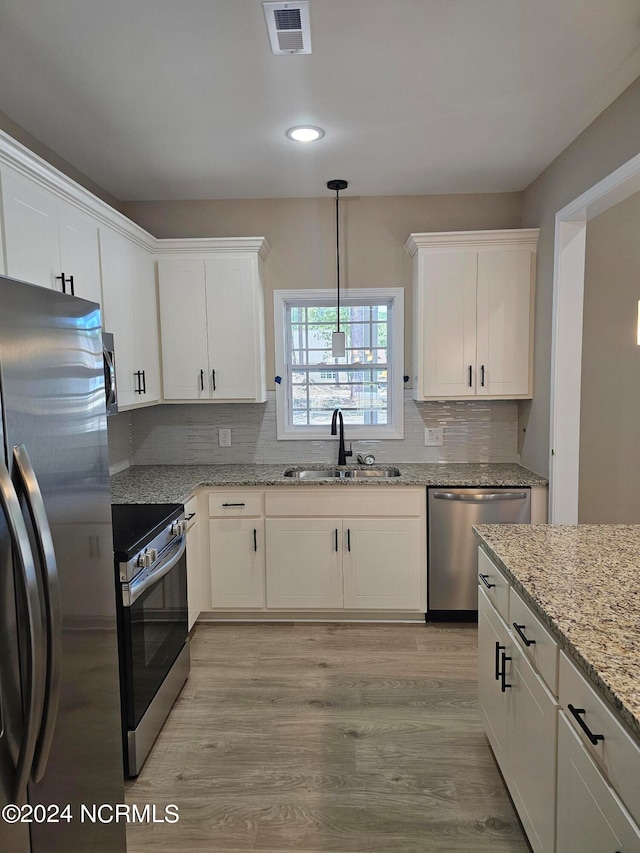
x=494, y=653
x=304, y=563
x=519, y=713
x=531, y=738
x=574, y=792
x=195, y=562
x=590, y=814
x=381, y=564
x=236, y=548
x=305, y=548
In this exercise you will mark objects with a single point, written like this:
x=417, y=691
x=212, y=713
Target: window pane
x=327, y=382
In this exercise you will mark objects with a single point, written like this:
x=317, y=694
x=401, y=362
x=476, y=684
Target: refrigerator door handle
x=53, y=606
x=34, y=682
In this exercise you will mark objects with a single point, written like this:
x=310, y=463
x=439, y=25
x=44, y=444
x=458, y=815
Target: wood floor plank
x=306, y=737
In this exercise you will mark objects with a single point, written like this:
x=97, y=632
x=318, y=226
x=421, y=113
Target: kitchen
x=300, y=233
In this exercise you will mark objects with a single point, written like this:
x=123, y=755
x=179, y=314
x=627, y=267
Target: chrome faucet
x=342, y=453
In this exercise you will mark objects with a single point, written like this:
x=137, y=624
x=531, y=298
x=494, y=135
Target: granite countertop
x=584, y=582
x=174, y=483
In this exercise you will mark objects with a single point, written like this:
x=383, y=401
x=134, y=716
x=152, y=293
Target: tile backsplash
x=188, y=434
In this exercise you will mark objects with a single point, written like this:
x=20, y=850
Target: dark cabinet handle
x=144, y=382
x=233, y=504
x=213, y=377
x=73, y=293
x=255, y=539
x=520, y=632
x=138, y=375
x=336, y=535
x=202, y=380
x=485, y=581
x=576, y=713
x=503, y=674
x=64, y=279
x=499, y=649
x=482, y=375
x=190, y=516
x=348, y=538
x=470, y=377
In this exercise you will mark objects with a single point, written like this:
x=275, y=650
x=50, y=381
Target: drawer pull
x=576, y=714
x=503, y=674
x=485, y=581
x=190, y=516
x=520, y=632
x=499, y=649
x=233, y=504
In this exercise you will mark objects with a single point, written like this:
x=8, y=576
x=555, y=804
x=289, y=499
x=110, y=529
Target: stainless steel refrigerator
x=60, y=730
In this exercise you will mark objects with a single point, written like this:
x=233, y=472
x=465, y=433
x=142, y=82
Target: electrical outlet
x=433, y=437
x=224, y=437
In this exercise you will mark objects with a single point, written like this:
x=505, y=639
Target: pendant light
x=338, y=338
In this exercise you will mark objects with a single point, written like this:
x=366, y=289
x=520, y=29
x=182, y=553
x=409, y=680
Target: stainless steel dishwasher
x=453, y=547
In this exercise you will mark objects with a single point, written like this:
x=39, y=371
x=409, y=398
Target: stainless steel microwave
x=110, y=386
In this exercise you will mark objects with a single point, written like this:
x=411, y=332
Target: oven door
x=154, y=627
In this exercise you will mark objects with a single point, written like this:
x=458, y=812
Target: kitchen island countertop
x=175, y=483
x=584, y=582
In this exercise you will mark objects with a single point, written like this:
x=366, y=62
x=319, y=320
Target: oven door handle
x=131, y=592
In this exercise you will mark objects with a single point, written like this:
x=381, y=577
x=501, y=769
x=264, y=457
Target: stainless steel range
x=151, y=566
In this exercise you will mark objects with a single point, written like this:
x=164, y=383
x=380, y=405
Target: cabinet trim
x=513, y=238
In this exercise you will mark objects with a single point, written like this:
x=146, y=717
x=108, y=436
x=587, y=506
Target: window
x=367, y=384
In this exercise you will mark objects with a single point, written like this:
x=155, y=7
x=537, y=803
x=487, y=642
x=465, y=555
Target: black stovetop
x=135, y=525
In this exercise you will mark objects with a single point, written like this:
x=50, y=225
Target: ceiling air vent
x=288, y=25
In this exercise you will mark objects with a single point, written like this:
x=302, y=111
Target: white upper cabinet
x=130, y=314
x=473, y=314
x=212, y=319
x=47, y=241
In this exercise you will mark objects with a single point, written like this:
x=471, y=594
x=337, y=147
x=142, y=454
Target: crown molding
x=516, y=238
x=198, y=245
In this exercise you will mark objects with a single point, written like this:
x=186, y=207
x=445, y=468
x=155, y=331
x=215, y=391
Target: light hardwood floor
x=292, y=738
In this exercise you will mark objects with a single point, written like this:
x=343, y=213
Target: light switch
x=224, y=437
x=433, y=437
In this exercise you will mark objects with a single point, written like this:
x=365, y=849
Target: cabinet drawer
x=618, y=755
x=352, y=501
x=494, y=583
x=543, y=651
x=236, y=504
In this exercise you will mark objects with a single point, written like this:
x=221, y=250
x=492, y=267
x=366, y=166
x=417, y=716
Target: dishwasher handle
x=487, y=497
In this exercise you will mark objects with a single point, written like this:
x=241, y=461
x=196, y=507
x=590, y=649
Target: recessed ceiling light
x=305, y=133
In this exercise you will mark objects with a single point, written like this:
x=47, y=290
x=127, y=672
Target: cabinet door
x=304, y=563
x=493, y=642
x=117, y=281
x=450, y=324
x=237, y=562
x=32, y=245
x=145, y=312
x=532, y=734
x=383, y=564
x=183, y=324
x=233, y=315
x=195, y=570
x=80, y=253
x=590, y=815
x=504, y=294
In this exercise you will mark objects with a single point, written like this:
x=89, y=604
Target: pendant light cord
x=338, y=253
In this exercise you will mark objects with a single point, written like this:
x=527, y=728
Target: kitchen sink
x=312, y=473
x=360, y=473
x=340, y=473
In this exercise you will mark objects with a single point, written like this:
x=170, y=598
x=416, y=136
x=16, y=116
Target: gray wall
x=610, y=393
x=611, y=140
x=301, y=233
x=25, y=138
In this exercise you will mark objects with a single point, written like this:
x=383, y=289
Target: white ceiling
x=171, y=99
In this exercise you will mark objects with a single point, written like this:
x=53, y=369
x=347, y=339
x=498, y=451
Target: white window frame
x=395, y=359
